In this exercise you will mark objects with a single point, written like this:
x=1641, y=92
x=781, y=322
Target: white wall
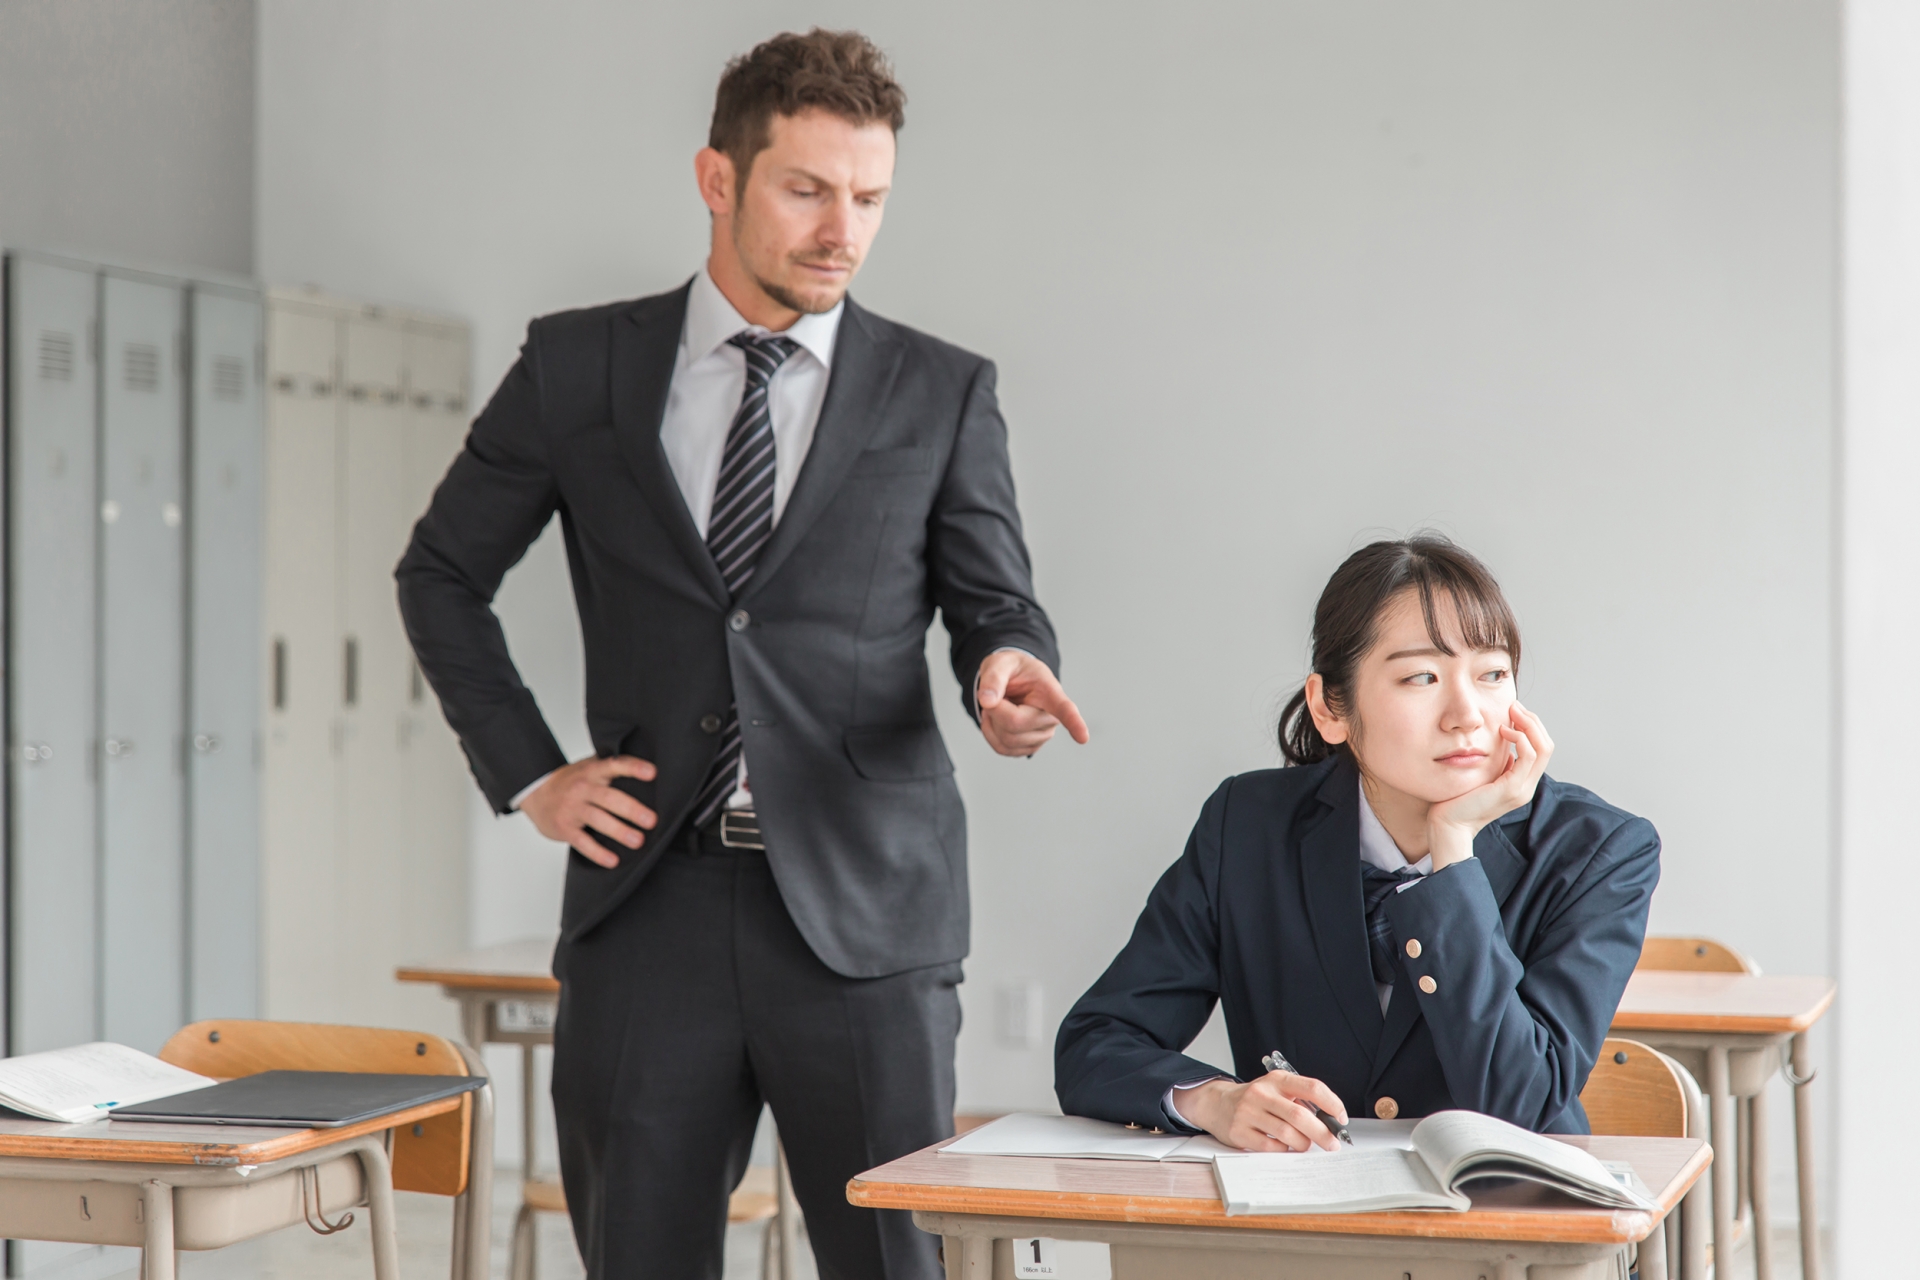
x=1264, y=280
x=1879, y=755
x=126, y=131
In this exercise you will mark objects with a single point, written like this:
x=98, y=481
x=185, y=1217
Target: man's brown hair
x=840, y=72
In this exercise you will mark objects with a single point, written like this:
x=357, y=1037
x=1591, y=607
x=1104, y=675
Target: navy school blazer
x=1529, y=943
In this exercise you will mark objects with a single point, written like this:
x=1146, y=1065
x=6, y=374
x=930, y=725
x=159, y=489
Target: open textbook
x=1078, y=1138
x=1449, y=1149
x=84, y=1081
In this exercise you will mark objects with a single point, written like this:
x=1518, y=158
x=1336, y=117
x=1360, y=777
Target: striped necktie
x=739, y=527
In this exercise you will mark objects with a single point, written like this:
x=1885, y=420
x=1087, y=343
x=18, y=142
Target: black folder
x=299, y=1099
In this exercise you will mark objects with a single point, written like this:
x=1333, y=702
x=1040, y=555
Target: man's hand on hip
x=580, y=797
x=1021, y=704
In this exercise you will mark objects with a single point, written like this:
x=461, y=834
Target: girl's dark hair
x=1346, y=622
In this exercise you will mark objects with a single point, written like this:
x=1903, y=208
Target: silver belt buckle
x=740, y=829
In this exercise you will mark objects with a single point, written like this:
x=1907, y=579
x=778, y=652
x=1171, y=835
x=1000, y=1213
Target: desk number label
x=525, y=1015
x=1035, y=1257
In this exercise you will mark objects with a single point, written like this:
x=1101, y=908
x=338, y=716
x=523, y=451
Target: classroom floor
x=426, y=1223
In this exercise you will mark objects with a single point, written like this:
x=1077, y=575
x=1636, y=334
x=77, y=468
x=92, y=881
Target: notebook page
x=1071, y=1137
x=1368, y=1135
x=79, y=1083
x=1357, y=1181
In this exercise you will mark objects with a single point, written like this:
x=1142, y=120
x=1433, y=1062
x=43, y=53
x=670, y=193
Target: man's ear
x=1332, y=728
x=713, y=173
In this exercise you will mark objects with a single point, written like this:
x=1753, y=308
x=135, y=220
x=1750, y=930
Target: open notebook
x=1076, y=1137
x=83, y=1081
x=1449, y=1149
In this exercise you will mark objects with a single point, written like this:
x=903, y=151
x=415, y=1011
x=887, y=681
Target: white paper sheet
x=1076, y=1137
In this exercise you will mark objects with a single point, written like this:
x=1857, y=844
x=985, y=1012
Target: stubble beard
x=788, y=298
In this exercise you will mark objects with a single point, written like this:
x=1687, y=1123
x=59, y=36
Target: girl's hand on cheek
x=1452, y=825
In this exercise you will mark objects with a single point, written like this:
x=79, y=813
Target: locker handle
x=35, y=752
x=350, y=672
x=279, y=673
x=118, y=747
x=206, y=743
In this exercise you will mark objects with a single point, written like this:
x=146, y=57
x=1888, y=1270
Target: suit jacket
x=905, y=504
x=1529, y=943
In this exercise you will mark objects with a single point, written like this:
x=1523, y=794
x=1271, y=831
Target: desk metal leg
x=1693, y=1232
x=1757, y=1196
x=1725, y=1170
x=379, y=1177
x=156, y=1245
x=968, y=1257
x=1653, y=1253
x=1803, y=1157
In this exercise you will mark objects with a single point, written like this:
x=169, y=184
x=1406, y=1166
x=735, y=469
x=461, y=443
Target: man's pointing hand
x=1021, y=704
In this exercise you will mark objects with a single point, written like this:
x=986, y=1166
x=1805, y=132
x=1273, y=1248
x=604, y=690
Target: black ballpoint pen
x=1277, y=1061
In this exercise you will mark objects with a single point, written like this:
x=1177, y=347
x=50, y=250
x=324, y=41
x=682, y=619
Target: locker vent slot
x=142, y=366
x=229, y=378
x=350, y=673
x=279, y=674
x=56, y=355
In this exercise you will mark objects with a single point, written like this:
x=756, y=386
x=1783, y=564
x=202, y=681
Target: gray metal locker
x=51, y=418
x=223, y=679
x=142, y=662
x=303, y=893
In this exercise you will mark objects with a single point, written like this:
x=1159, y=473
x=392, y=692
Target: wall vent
x=142, y=366
x=229, y=378
x=56, y=355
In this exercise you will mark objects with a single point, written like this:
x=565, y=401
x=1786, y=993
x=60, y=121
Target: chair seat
x=752, y=1201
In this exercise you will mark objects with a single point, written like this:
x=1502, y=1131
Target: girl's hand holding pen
x=1277, y=1112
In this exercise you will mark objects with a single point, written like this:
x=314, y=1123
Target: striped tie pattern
x=740, y=525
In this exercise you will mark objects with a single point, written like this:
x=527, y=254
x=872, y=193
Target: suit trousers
x=680, y=1014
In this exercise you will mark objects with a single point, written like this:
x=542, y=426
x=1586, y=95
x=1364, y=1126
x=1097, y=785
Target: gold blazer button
x=1413, y=948
x=1386, y=1108
x=1427, y=984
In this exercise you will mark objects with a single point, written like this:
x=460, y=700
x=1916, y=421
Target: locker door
x=301, y=891
x=223, y=773
x=50, y=544
x=436, y=783
x=375, y=666
x=142, y=663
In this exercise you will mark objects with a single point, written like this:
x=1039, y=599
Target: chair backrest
x=1635, y=1091
x=1695, y=955
x=429, y=1156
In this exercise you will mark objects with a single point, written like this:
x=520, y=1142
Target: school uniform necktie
x=739, y=527
x=1376, y=887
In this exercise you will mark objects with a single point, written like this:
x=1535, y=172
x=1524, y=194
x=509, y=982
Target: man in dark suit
x=765, y=491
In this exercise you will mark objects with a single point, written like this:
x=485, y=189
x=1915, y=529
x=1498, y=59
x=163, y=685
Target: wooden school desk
x=1164, y=1220
x=163, y=1187
x=1739, y=1021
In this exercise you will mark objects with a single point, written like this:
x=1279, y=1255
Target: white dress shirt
x=709, y=378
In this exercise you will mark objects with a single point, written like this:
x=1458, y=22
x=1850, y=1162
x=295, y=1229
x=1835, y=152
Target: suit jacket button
x=1386, y=1108
x=739, y=620
x=1427, y=984
x=1413, y=948
x=709, y=723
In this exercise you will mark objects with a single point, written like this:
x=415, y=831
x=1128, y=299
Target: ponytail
x=1300, y=740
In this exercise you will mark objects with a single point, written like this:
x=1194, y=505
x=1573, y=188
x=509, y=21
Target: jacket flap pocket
x=898, y=752
x=915, y=460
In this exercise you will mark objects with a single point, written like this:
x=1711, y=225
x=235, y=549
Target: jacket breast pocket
x=911, y=461
x=898, y=752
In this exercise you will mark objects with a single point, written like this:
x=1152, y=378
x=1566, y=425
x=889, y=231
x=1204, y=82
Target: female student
x=1413, y=913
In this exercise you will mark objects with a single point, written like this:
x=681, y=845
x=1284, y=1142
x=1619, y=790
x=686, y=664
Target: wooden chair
x=1635, y=1090
x=764, y=1193
x=449, y=1154
x=1693, y=955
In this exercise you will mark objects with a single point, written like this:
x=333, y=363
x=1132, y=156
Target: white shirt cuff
x=529, y=789
x=1174, y=1118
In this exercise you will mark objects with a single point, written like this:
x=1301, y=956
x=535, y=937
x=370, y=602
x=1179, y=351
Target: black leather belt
x=734, y=831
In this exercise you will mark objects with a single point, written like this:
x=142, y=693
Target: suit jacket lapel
x=1330, y=867
x=865, y=363
x=645, y=343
